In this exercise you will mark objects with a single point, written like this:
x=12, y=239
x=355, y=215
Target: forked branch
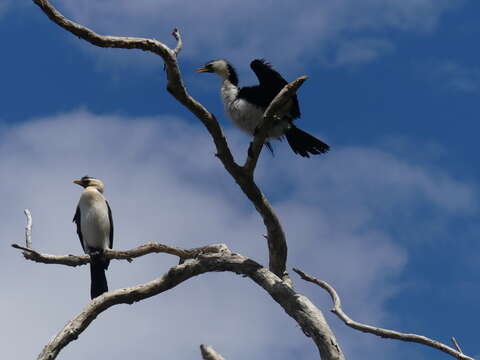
x=208, y=258
x=309, y=317
x=385, y=333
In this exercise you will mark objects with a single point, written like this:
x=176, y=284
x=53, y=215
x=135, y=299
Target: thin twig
x=28, y=229
x=209, y=353
x=385, y=333
x=178, y=48
x=454, y=341
x=178, y=37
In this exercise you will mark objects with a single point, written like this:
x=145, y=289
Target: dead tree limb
x=76, y=260
x=297, y=306
x=148, y=248
x=277, y=244
x=209, y=353
x=384, y=333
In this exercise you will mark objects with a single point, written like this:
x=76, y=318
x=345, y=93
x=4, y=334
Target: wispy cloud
x=164, y=184
x=285, y=31
x=455, y=76
x=361, y=51
x=4, y=5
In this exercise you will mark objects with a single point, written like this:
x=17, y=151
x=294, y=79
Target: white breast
x=95, y=224
x=245, y=115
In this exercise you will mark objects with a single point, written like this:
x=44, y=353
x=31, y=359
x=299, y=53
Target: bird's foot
x=96, y=254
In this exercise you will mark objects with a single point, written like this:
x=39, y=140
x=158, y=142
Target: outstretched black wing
x=267, y=76
x=77, y=221
x=110, y=245
x=272, y=82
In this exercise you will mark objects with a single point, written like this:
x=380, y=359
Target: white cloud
x=164, y=184
x=283, y=31
x=4, y=5
x=457, y=77
x=361, y=51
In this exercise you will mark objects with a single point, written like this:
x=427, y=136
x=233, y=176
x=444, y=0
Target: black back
x=270, y=84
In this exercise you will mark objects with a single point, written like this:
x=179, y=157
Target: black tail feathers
x=303, y=143
x=98, y=265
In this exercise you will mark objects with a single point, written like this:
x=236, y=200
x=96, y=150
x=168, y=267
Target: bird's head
x=87, y=181
x=222, y=68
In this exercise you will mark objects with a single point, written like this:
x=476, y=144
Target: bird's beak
x=202, y=69
x=78, y=182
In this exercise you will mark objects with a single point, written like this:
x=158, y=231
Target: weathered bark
x=297, y=306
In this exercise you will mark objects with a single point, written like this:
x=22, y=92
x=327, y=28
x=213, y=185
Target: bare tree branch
x=385, y=333
x=148, y=248
x=209, y=353
x=76, y=260
x=309, y=317
x=276, y=237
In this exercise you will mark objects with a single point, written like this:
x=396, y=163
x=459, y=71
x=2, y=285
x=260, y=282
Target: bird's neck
x=93, y=190
x=229, y=91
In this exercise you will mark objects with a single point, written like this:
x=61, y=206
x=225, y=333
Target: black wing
x=77, y=220
x=111, y=225
x=272, y=82
x=267, y=76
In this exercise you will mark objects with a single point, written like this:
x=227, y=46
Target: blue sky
x=389, y=216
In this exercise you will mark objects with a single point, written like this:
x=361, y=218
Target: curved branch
x=385, y=333
x=178, y=37
x=175, y=83
x=277, y=244
x=209, y=353
x=309, y=317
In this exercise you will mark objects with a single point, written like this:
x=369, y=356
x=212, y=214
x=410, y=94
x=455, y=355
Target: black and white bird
x=95, y=230
x=245, y=106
